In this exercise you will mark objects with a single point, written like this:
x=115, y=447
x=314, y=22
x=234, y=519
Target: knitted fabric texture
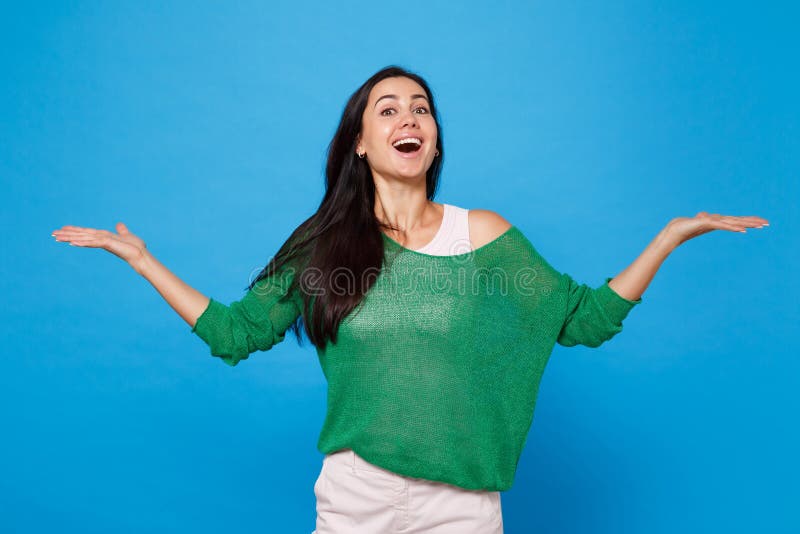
x=435, y=374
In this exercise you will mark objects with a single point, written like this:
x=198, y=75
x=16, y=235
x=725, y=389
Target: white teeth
x=408, y=140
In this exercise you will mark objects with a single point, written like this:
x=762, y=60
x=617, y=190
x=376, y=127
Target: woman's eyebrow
x=395, y=97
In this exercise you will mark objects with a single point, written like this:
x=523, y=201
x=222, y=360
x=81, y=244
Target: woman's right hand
x=123, y=244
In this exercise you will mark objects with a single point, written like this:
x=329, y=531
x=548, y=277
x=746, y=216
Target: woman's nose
x=408, y=119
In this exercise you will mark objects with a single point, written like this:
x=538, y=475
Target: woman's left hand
x=681, y=229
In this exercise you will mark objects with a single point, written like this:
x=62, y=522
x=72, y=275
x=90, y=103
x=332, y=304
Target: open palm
x=122, y=244
x=685, y=228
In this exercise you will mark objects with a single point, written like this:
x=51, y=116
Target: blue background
x=204, y=129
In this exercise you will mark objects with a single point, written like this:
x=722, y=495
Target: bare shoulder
x=485, y=226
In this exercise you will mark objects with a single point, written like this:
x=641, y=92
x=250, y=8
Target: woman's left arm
x=632, y=282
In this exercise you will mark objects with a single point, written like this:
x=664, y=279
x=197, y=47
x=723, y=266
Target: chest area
x=435, y=302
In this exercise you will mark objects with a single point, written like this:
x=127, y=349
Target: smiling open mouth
x=408, y=145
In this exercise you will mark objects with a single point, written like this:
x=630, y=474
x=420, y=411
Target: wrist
x=144, y=263
x=666, y=240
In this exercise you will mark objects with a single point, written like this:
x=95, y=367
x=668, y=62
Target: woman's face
x=397, y=109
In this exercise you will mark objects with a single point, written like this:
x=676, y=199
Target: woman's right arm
x=257, y=321
x=184, y=299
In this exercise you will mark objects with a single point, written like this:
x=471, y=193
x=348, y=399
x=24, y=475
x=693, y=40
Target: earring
x=437, y=153
x=361, y=155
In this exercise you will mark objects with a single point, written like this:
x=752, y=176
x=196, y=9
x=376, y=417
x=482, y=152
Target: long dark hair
x=343, y=238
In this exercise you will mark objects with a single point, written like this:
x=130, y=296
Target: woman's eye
x=424, y=110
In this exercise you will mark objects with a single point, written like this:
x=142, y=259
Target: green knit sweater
x=435, y=374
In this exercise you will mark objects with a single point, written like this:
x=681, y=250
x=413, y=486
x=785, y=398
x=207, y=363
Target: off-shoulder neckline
x=464, y=255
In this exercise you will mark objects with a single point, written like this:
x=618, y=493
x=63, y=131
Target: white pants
x=357, y=497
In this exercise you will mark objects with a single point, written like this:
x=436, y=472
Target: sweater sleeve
x=256, y=322
x=592, y=315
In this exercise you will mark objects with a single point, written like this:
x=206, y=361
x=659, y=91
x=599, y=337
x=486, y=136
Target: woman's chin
x=403, y=168
x=411, y=170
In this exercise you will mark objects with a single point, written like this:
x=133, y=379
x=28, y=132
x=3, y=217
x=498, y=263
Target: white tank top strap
x=452, y=238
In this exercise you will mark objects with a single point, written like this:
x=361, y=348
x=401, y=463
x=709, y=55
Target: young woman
x=432, y=323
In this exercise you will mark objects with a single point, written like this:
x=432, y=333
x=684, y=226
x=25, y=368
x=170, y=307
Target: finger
x=67, y=236
x=76, y=237
x=72, y=227
x=83, y=243
x=724, y=225
x=751, y=218
x=88, y=242
x=67, y=231
x=79, y=236
x=81, y=232
x=748, y=221
x=756, y=222
x=727, y=219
